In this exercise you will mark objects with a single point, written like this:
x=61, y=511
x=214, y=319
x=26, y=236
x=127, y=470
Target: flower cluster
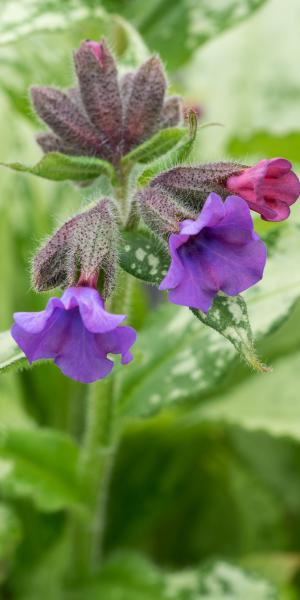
x=201, y=211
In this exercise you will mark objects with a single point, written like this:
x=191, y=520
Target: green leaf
x=176, y=358
x=132, y=578
x=275, y=408
x=10, y=532
x=159, y=144
x=229, y=316
x=11, y=357
x=263, y=143
x=144, y=256
x=61, y=167
x=41, y=465
x=177, y=29
x=176, y=156
x=32, y=16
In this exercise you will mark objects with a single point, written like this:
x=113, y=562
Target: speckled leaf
x=144, y=256
x=60, y=167
x=132, y=577
x=159, y=144
x=175, y=157
x=271, y=300
x=11, y=357
x=41, y=465
x=177, y=29
x=176, y=358
x=229, y=316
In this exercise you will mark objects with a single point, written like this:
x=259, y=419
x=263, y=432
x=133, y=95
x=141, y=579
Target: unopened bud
x=191, y=185
x=86, y=244
x=160, y=211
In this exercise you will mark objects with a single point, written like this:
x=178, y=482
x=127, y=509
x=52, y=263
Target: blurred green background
x=218, y=468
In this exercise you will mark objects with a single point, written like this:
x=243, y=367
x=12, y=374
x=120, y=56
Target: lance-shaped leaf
x=41, y=465
x=159, y=144
x=229, y=316
x=176, y=156
x=11, y=357
x=61, y=167
x=144, y=256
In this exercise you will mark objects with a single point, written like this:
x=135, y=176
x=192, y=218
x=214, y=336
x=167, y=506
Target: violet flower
x=269, y=188
x=77, y=333
x=217, y=251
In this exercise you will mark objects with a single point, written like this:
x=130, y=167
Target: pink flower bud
x=269, y=188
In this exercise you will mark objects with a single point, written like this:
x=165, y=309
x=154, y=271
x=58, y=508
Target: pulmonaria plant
x=199, y=215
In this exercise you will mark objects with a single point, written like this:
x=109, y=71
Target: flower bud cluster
x=105, y=115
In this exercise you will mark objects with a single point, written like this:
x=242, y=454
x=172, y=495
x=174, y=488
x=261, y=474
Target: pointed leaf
x=11, y=357
x=144, y=256
x=159, y=144
x=229, y=316
x=41, y=465
x=175, y=157
x=61, y=167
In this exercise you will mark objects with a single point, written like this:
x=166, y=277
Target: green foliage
x=176, y=156
x=10, y=537
x=159, y=144
x=10, y=354
x=132, y=578
x=229, y=316
x=267, y=144
x=176, y=30
x=41, y=465
x=60, y=167
x=144, y=256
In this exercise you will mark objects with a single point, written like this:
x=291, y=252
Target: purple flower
x=269, y=188
x=218, y=251
x=77, y=333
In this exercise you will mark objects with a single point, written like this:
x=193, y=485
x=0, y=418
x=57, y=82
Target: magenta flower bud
x=269, y=188
x=219, y=251
x=77, y=333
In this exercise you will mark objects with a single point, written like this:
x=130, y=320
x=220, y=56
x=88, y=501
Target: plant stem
x=100, y=443
x=96, y=464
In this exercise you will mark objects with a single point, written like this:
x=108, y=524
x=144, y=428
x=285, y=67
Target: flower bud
x=269, y=188
x=145, y=103
x=104, y=115
x=99, y=89
x=172, y=112
x=191, y=185
x=160, y=211
x=87, y=244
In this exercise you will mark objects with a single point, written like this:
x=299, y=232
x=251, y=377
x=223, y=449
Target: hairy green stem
x=100, y=442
